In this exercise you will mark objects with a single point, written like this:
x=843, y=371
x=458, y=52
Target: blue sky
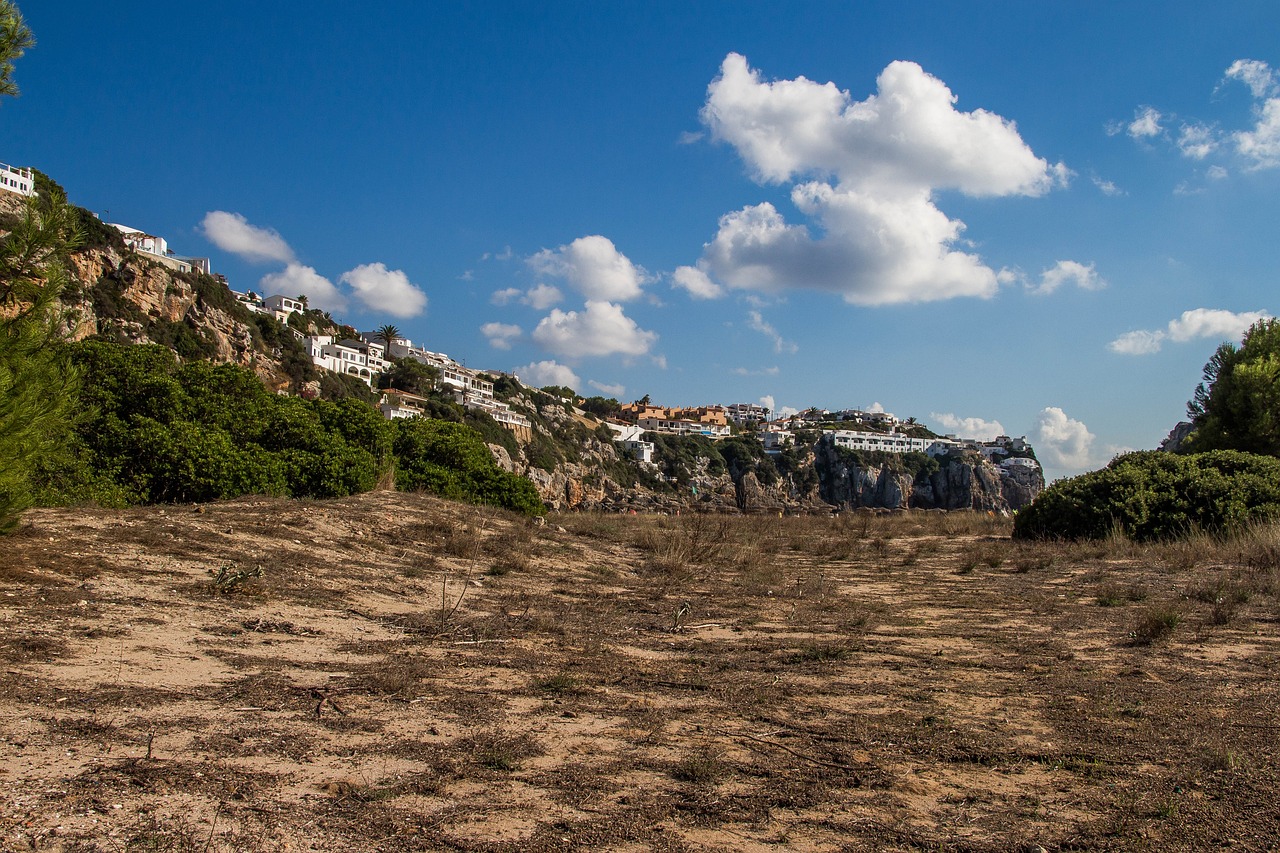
x=989, y=216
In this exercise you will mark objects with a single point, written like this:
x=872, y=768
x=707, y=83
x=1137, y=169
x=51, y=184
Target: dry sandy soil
x=410, y=674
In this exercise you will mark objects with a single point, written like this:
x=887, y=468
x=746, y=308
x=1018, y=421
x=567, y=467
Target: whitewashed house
x=15, y=180
x=361, y=359
x=880, y=442
x=282, y=306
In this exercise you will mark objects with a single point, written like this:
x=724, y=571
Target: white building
x=628, y=435
x=1019, y=462
x=880, y=442
x=15, y=180
x=745, y=413
x=401, y=404
x=353, y=358
x=251, y=301
x=641, y=451
x=157, y=249
x=282, y=307
x=683, y=427
x=775, y=440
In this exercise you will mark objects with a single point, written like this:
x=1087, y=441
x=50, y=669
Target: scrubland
x=396, y=672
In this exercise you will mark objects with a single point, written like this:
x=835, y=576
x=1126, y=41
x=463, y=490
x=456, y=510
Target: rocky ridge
x=122, y=295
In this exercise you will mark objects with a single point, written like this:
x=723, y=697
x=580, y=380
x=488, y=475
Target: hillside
x=123, y=296
x=411, y=674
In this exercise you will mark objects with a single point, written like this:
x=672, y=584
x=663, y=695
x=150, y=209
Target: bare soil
x=409, y=674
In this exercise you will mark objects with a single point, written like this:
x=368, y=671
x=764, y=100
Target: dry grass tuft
x=1155, y=624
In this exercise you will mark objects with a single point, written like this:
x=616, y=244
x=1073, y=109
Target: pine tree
x=36, y=381
x=15, y=38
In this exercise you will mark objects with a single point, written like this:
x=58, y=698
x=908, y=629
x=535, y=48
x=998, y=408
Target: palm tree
x=387, y=333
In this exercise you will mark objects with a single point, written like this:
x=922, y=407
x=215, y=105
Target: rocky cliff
x=816, y=478
x=965, y=481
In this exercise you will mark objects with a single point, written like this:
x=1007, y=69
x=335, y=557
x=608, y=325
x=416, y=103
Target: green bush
x=451, y=460
x=150, y=429
x=1151, y=495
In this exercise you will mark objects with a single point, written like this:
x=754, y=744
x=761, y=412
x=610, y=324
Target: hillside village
x=368, y=357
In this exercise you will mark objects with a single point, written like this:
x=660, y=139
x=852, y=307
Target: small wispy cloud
x=780, y=345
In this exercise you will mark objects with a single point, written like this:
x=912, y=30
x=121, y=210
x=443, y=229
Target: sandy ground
x=408, y=674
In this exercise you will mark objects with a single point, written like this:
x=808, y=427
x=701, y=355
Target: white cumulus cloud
x=697, y=282
x=1257, y=75
x=768, y=402
x=542, y=296
x=1145, y=124
x=388, y=291
x=866, y=173
x=1064, y=441
x=1137, y=342
x=542, y=373
x=616, y=390
x=299, y=280
x=1213, y=323
x=601, y=328
x=1196, y=324
x=1081, y=275
x=1197, y=141
x=501, y=335
x=594, y=267
x=231, y=232
x=978, y=428
x=1259, y=144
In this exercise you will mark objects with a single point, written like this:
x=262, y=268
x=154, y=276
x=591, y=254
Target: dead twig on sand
x=325, y=695
x=800, y=755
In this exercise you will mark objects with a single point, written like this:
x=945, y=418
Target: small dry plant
x=1155, y=624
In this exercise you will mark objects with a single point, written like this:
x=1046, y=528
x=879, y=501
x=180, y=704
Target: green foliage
x=153, y=430
x=1237, y=406
x=409, y=374
x=490, y=430
x=451, y=460
x=747, y=454
x=505, y=387
x=601, y=407
x=15, y=39
x=1151, y=495
x=563, y=391
x=680, y=457
x=387, y=334
x=542, y=452
x=36, y=381
x=341, y=386
x=187, y=339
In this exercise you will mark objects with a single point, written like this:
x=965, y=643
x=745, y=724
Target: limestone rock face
x=1020, y=486
x=971, y=483
x=144, y=292
x=962, y=484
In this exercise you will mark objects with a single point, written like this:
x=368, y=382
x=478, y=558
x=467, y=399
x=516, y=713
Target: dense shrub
x=152, y=430
x=747, y=454
x=1151, y=495
x=451, y=460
